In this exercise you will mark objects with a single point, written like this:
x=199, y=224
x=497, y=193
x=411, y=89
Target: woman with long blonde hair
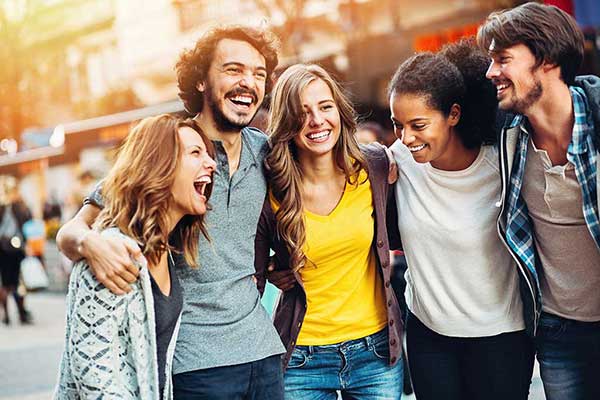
x=155, y=196
x=325, y=218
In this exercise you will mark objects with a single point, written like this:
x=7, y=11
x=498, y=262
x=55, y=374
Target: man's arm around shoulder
x=110, y=258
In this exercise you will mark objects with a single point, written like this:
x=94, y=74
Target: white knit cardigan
x=110, y=345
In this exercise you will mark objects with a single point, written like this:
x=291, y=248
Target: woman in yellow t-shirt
x=325, y=220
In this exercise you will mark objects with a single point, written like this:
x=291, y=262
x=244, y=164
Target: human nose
x=399, y=132
x=208, y=163
x=316, y=119
x=492, y=71
x=247, y=79
x=407, y=137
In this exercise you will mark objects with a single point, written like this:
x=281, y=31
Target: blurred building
x=112, y=63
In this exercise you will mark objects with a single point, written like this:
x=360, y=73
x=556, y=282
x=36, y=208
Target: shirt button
x=393, y=342
x=380, y=243
x=393, y=360
x=387, y=283
x=299, y=324
x=391, y=322
x=389, y=303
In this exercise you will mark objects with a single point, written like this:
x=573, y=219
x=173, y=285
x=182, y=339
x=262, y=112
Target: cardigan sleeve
x=263, y=243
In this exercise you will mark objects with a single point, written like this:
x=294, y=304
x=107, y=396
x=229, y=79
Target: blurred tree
x=17, y=69
x=32, y=56
x=35, y=76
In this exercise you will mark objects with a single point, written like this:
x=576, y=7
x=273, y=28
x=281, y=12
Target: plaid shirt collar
x=581, y=153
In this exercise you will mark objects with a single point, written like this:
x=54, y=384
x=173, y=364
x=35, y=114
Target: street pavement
x=30, y=355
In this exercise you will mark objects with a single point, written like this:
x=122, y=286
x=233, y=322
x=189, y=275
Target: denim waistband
x=546, y=316
x=367, y=341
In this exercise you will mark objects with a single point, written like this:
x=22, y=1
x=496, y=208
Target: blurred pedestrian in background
x=369, y=132
x=13, y=213
x=155, y=196
x=325, y=218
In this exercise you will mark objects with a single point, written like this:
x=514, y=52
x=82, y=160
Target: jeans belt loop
x=369, y=341
x=310, y=350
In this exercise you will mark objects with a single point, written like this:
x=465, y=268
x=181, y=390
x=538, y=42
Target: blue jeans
x=358, y=368
x=569, y=355
x=256, y=380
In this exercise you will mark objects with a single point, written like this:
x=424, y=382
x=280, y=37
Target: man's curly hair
x=193, y=64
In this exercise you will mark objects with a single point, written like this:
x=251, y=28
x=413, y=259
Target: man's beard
x=521, y=106
x=222, y=122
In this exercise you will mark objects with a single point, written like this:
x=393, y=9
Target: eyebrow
x=394, y=120
x=495, y=50
x=320, y=102
x=239, y=64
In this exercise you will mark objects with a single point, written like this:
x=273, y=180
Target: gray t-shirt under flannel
x=223, y=321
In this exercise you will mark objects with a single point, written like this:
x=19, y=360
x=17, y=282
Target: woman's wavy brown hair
x=137, y=190
x=283, y=170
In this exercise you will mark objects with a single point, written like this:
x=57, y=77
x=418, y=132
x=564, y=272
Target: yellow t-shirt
x=343, y=287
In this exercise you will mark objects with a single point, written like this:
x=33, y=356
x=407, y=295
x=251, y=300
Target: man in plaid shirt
x=549, y=206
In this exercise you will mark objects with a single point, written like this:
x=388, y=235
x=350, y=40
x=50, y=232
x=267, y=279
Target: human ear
x=454, y=115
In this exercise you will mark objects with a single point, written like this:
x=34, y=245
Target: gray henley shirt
x=223, y=322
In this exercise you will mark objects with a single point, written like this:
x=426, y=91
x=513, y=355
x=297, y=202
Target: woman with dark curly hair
x=465, y=329
x=325, y=218
x=155, y=196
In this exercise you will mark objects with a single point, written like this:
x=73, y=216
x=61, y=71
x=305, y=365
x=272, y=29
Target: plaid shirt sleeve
x=582, y=154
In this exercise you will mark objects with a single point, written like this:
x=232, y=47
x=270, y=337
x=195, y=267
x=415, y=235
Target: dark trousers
x=480, y=368
x=257, y=380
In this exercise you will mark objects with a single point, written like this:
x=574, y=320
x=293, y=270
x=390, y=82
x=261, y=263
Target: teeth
x=416, y=148
x=501, y=87
x=200, y=184
x=203, y=179
x=317, y=135
x=242, y=99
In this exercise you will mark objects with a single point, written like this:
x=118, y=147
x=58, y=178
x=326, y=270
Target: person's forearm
x=72, y=236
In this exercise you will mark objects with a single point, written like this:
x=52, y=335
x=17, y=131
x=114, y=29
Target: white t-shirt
x=461, y=280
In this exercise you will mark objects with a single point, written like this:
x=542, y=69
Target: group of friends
x=491, y=191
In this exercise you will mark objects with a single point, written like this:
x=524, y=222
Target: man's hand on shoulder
x=111, y=260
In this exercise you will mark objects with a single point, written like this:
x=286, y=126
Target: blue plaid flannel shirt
x=582, y=154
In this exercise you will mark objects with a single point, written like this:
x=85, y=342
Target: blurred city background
x=75, y=74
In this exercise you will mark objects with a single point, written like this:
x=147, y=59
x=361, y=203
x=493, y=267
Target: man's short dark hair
x=551, y=35
x=194, y=63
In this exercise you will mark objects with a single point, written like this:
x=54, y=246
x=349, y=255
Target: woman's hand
x=393, y=168
x=283, y=279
